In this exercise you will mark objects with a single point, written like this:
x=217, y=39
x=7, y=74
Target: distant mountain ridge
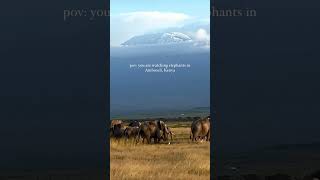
x=158, y=38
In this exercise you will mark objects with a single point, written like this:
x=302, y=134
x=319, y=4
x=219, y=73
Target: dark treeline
x=181, y=119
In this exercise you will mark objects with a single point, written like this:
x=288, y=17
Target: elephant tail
x=190, y=134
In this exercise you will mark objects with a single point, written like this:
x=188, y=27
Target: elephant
x=135, y=124
x=152, y=130
x=131, y=132
x=117, y=131
x=169, y=132
x=113, y=123
x=200, y=129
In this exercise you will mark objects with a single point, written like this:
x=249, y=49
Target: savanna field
x=179, y=160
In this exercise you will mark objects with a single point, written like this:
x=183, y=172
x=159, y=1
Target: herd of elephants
x=158, y=130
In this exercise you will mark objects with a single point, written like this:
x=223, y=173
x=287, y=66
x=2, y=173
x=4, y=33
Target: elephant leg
x=157, y=136
x=148, y=140
x=138, y=138
x=195, y=136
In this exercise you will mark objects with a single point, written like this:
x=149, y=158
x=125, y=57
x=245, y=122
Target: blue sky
x=198, y=8
x=135, y=17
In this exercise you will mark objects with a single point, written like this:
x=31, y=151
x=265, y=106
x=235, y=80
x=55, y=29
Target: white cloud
x=127, y=25
x=155, y=19
x=202, y=35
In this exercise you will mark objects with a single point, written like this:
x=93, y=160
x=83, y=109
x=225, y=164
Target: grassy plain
x=179, y=160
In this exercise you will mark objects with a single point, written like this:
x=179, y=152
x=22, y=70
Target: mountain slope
x=158, y=38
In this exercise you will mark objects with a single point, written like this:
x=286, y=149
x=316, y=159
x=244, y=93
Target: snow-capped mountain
x=158, y=38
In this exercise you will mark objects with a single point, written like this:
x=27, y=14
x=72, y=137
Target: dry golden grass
x=181, y=160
